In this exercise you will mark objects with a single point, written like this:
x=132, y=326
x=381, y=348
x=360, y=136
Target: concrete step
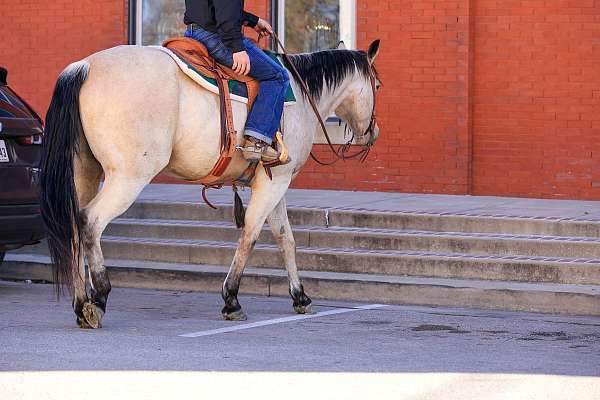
x=343, y=260
x=496, y=295
x=370, y=238
x=364, y=218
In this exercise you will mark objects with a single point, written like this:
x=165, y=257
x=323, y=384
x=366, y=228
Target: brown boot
x=256, y=150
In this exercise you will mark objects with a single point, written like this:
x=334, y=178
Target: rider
x=218, y=25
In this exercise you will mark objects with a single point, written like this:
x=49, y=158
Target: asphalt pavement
x=151, y=330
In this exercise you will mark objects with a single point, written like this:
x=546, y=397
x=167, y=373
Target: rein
x=341, y=152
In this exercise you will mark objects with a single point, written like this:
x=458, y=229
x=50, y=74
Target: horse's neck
x=327, y=104
x=329, y=100
x=332, y=98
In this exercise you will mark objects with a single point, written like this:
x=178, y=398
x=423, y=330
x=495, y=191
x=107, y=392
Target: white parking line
x=282, y=320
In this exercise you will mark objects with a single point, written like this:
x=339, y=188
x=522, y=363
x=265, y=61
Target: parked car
x=21, y=131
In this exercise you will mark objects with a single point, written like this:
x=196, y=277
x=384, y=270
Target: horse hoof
x=92, y=317
x=82, y=323
x=307, y=309
x=238, y=315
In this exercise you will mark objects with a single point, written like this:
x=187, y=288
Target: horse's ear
x=341, y=45
x=373, y=51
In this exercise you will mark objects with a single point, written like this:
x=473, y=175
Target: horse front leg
x=266, y=195
x=282, y=231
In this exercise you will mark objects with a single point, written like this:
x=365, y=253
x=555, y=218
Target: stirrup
x=284, y=154
x=255, y=151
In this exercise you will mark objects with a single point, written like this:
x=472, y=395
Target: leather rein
x=341, y=152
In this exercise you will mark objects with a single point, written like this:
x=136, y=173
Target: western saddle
x=195, y=54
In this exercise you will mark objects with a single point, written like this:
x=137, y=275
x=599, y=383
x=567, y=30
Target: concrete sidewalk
x=397, y=202
x=436, y=250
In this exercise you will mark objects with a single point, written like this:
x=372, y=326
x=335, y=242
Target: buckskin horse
x=128, y=113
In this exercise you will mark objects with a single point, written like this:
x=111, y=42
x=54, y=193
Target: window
x=304, y=25
x=312, y=25
x=158, y=20
x=11, y=106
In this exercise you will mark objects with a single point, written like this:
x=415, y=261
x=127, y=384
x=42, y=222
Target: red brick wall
x=41, y=37
x=262, y=9
x=258, y=7
x=537, y=98
x=423, y=106
x=489, y=97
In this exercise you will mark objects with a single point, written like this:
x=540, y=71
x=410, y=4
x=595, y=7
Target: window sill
x=335, y=131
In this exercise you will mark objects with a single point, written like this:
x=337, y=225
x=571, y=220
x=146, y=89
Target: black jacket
x=224, y=17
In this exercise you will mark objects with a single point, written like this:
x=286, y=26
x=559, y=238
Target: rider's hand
x=263, y=27
x=241, y=63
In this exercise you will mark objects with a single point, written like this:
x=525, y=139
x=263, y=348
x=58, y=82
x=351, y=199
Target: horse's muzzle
x=374, y=136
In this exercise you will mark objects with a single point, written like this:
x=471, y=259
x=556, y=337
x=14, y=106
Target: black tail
x=59, y=205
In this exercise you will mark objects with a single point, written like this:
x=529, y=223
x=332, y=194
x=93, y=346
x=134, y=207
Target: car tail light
x=30, y=140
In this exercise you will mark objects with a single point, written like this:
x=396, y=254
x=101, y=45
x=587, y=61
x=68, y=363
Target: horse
x=123, y=115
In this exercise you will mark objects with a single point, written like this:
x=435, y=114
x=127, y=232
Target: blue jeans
x=265, y=116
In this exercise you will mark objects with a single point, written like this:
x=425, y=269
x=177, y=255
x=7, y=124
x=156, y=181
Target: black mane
x=331, y=66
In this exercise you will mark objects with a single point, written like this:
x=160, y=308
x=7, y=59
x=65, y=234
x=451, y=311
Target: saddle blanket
x=237, y=89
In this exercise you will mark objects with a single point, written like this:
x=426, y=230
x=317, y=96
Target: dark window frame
x=132, y=26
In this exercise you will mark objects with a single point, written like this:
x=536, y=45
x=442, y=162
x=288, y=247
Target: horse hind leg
x=282, y=232
x=88, y=174
x=117, y=194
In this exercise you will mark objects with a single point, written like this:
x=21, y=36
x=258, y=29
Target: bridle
x=370, y=131
x=341, y=153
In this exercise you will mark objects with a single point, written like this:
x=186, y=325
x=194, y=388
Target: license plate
x=3, y=152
